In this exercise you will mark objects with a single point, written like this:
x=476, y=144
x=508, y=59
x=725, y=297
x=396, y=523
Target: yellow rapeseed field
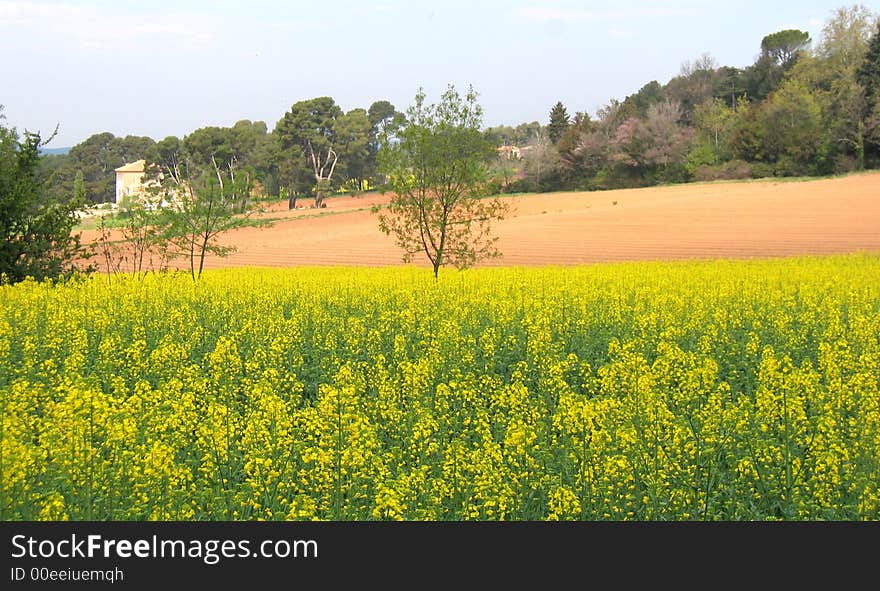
x=652, y=391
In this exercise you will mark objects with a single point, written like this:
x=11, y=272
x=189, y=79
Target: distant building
x=130, y=182
x=510, y=152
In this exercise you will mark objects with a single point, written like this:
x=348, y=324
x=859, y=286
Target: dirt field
x=732, y=220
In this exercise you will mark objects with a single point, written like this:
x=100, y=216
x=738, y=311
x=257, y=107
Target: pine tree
x=868, y=77
x=79, y=188
x=868, y=74
x=559, y=122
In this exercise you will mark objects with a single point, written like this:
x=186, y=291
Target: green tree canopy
x=714, y=124
x=695, y=84
x=783, y=46
x=437, y=168
x=97, y=157
x=868, y=73
x=381, y=114
x=207, y=143
x=35, y=231
x=307, y=138
x=868, y=76
x=559, y=122
x=845, y=36
x=353, y=136
x=649, y=94
x=787, y=130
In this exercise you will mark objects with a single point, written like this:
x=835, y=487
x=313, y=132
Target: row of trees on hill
x=314, y=149
x=802, y=108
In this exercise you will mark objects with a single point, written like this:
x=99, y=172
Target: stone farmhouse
x=510, y=152
x=131, y=183
x=130, y=180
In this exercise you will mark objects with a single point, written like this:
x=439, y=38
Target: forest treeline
x=804, y=107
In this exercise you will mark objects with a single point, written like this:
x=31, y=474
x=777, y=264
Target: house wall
x=127, y=183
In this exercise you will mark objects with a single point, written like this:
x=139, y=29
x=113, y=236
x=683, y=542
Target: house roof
x=136, y=166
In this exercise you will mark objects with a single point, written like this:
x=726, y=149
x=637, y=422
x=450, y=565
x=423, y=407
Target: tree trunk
x=321, y=193
x=291, y=203
x=192, y=258
x=860, y=147
x=204, y=247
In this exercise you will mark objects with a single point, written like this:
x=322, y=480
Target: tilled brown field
x=712, y=220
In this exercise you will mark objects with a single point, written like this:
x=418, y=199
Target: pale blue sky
x=167, y=68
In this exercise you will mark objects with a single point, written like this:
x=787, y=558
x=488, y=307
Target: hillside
x=55, y=151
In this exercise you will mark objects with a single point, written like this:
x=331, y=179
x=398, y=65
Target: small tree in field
x=204, y=206
x=141, y=247
x=437, y=168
